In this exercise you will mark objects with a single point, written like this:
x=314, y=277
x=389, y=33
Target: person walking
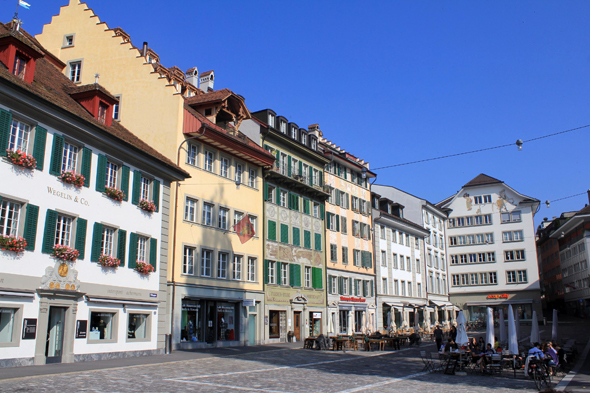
x=438, y=336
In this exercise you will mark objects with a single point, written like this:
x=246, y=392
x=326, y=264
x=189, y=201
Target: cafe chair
x=428, y=366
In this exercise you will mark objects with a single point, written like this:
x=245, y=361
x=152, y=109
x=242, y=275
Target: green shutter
x=321, y=178
x=306, y=239
x=265, y=191
x=96, y=242
x=318, y=242
x=290, y=200
x=132, y=251
x=86, y=166
x=372, y=286
x=337, y=223
x=49, y=235
x=296, y=237
x=301, y=168
x=349, y=284
x=153, y=252
x=284, y=233
x=278, y=196
x=125, y=182
x=292, y=274
x=306, y=206
x=289, y=166
x=317, y=277
x=330, y=286
x=347, y=201
x=39, y=146
x=5, y=121
x=30, y=232
x=278, y=273
x=365, y=287
x=322, y=212
x=81, y=226
x=266, y=271
x=136, y=187
x=278, y=156
x=328, y=220
x=101, y=173
x=57, y=153
x=272, y=230
x=296, y=201
x=310, y=176
x=156, y=194
x=122, y=246
x=369, y=260
x=340, y=284
x=297, y=275
x=337, y=197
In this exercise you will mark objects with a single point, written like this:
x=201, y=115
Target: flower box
x=21, y=158
x=114, y=193
x=65, y=253
x=147, y=205
x=144, y=268
x=12, y=243
x=108, y=261
x=73, y=178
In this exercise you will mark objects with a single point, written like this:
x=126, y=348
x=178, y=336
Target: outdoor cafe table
x=340, y=343
x=394, y=342
x=309, y=342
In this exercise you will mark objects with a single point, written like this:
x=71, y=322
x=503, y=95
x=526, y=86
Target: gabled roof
x=92, y=87
x=481, y=180
x=214, y=96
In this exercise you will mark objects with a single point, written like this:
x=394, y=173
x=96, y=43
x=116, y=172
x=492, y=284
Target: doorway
x=252, y=329
x=55, y=334
x=297, y=325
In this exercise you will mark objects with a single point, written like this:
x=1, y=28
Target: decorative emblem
x=63, y=270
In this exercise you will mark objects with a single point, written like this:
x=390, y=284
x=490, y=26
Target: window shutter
x=266, y=271
x=369, y=260
x=292, y=274
x=337, y=223
x=122, y=246
x=310, y=176
x=338, y=169
x=345, y=174
x=349, y=285
x=301, y=168
x=347, y=201
x=125, y=182
x=289, y=166
x=278, y=196
x=318, y=277
x=298, y=275
x=322, y=212
x=86, y=166
x=156, y=194
x=57, y=153
x=278, y=272
x=39, y=146
x=96, y=242
x=132, y=263
x=364, y=284
x=49, y=235
x=30, y=232
x=329, y=220
x=337, y=197
x=321, y=179
x=101, y=173
x=81, y=227
x=136, y=187
x=318, y=241
x=330, y=285
x=340, y=285
x=306, y=239
x=284, y=233
x=272, y=230
x=153, y=252
x=372, y=286
x=306, y=206
x=5, y=121
x=368, y=232
x=265, y=191
x=290, y=200
x=278, y=156
x=296, y=237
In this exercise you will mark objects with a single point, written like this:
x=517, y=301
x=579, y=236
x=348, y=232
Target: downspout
x=262, y=338
x=204, y=128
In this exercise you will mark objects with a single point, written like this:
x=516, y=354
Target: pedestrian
x=438, y=336
x=453, y=333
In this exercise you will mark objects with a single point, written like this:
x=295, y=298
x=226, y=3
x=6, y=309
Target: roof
x=404, y=221
x=91, y=87
x=206, y=73
x=481, y=180
x=214, y=96
x=52, y=86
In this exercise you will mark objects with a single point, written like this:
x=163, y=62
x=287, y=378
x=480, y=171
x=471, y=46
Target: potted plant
x=147, y=205
x=73, y=178
x=21, y=158
x=144, y=268
x=65, y=253
x=12, y=243
x=108, y=261
x=114, y=193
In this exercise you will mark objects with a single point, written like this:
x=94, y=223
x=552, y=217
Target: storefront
x=209, y=321
x=475, y=306
x=351, y=315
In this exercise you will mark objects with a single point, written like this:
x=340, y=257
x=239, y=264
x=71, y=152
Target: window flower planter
x=147, y=206
x=12, y=243
x=21, y=158
x=115, y=194
x=108, y=261
x=73, y=178
x=65, y=253
x=144, y=268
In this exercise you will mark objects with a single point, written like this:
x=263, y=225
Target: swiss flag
x=244, y=229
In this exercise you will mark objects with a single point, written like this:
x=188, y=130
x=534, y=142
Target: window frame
x=77, y=79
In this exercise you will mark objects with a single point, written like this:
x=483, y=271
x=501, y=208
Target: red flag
x=244, y=229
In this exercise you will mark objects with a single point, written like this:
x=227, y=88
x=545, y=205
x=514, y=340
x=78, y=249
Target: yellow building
x=215, y=280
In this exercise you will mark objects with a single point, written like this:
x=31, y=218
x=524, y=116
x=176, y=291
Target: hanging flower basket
x=144, y=268
x=108, y=261
x=73, y=178
x=115, y=194
x=21, y=158
x=65, y=253
x=12, y=243
x=147, y=205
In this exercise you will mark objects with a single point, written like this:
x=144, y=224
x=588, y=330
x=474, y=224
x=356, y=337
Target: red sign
x=244, y=229
x=502, y=296
x=351, y=299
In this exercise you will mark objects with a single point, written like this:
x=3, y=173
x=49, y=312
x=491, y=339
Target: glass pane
x=226, y=323
x=6, y=324
x=137, y=326
x=101, y=325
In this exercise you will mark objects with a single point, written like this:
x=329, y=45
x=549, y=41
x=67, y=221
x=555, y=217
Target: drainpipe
x=263, y=338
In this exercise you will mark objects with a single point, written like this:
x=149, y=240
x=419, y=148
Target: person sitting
x=472, y=344
x=496, y=343
x=415, y=339
x=554, y=359
x=482, y=344
x=536, y=351
x=451, y=345
x=482, y=362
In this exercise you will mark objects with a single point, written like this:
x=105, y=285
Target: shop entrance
x=252, y=329
x=55, y=334
x=297, y=325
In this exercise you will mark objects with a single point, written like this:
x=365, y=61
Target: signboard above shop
x=351, y=299
x=501, y=296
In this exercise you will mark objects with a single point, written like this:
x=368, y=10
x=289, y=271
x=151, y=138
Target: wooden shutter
x=57, y=153
x=329, y=220
x=272, y=230
x=266, y=271
x=369, y=260
x=81, y=228
x=265, y=191
x=365, y=287
x=136, y=187
x=318, y=241
x=5, y=121
x=317, y=277
x=340, y=285
x=49, y=234
x=156, y=194
x=86, y=166
x=153, y=252
x=125, y=182
x=306, y=206
x=296, y=237
x=39, y=146
x=132, y=263
x=310, y=173
x=284, y=233
x=321, y=179
x=101, y=173
x=337, y=197
x=278, y=272
x=306, y=239
x=96, y=242
x=292, y=274
x=122, y=246
x=372, y=287
x=337, y=223
x=322, y=212
x=289, y=166
x=297, y=275
x=30, y=232
x=278, y=196
x=347, y=201
x=349, y=284
x=330, y=284
x=301, y=168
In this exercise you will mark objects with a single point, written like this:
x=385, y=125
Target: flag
x=244, y=229
x=24, y=4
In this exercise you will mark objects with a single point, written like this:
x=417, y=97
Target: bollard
x=168, y=344
x=544, y=321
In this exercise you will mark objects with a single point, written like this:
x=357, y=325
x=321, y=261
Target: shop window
x=7, y=322
x=138, y=326
x=191, y=321
x=358, y=321
x=343, y=321
x=102, y=327
x=226, y=322
x=274, y=325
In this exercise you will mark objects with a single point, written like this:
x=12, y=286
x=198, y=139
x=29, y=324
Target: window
x=383, y=257
x=316, y=176
x=145, y=188
x=75, y=71
x=192, y=152
x=395, y=261
x=394, y=236
x=19, y=136
x=304, y=138
x=333, y=284
x=102, y=113
x=345, y=255
x=111, y=175
x=284, y=273
x=514, y=255
x=272, y=272
x=237, y=267
x=206, y=257
x=316, y=210
x=343, y=225
x=516, y=276
x=102, y=326
x=251, y=269
x=117, y=108
x=333, y=253
x=384, y=286
x=223, y=218
x=70, y=157
x=478, y=200
x=108, y=241
x=8, y=331
x=356, y=257
x=511, y=217
x=20, y=65
x=409, y=264
x=207, y=218
x=487, y=199
x=188, y=265
x=271, y=120
x=222, y=260
x=9, y=218
x=254, y=222
x=190, y=210
x=293, y=132
x=239, y=173
x=252, y=178
x=512, y=236
x=272, y=196
x=396, y=287
x=284, y=195
x=409, y=288
x=238, y=216
x=418, y=266
x=68, y=40
x=63, y=230
x=137, y=326
x=345, y=289
x=224, y=167
x=356, y=229
x=209, y=160
x=419, y=290
x=283, y=127
x=403, y=288
x=402, y=264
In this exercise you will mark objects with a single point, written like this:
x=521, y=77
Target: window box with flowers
x=65, y=253
x=73, y=178
x=21, y=158
x=143, y=267
x=113, y=193
x=148, y=206
x=12, y=243
x=109, y=261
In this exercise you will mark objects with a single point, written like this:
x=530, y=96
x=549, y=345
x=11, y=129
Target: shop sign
x=81, y=328
x=67, y=196
x=501, y=296
x=249, y=302
x=316, y=315
x=351, y=299
x=30, y=329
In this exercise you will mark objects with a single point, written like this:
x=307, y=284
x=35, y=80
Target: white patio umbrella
x=554, y=327
x=461, y=331
x=517, y=322
x=364, y=323
x=389, y=320
x=435, y=315
x=490, y=337
x=535, y=338
x=416, y=319
x=426, y=320
x=502, y=327
x=349, y=330
x=373, y=321
x=512, y=340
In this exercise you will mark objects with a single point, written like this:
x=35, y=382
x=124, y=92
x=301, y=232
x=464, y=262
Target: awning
x=498, y=302
x=441, y=304
x=125, y=302
x=17, y=294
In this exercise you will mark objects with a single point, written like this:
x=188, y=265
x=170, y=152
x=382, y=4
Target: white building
x=68, y=306
x=491, y=248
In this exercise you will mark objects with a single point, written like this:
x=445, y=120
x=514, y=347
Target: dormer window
x=304, y=138
x=314, y=144
x=283, y=127
x=20, y=65
x=208, y=111
x=102, y=113
x=271, y=121
x=294, y=133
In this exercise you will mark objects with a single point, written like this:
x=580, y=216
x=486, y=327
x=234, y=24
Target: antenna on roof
x=96, y=76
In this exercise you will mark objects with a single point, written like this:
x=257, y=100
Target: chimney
x=192, y=76
x=314, y=129
x=588, y=191
x=144, y=50
x=206, y=81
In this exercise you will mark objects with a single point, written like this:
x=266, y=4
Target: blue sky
x=395, y=81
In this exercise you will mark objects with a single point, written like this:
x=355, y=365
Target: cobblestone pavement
x=281, y=371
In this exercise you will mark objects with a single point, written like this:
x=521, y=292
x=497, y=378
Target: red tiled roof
x=481, y=180
x=213, y=96
x=94, y=86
